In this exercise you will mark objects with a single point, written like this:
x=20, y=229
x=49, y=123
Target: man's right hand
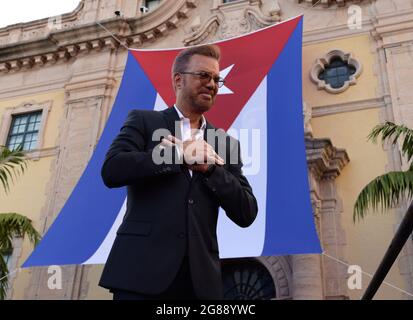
x=194, y=151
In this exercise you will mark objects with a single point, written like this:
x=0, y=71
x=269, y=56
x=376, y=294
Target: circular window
x=336, y=71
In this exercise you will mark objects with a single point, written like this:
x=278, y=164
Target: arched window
x=247, y=279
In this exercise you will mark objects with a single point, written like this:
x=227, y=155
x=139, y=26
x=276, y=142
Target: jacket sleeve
x=127, y=162
x=233, y=191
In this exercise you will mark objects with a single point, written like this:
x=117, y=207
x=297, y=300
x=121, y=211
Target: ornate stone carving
x=258, y=20
x=324, y=160
x=233, y=19
x=328, y=3
x=204, y=33
x=307, y=112
x=233, y=26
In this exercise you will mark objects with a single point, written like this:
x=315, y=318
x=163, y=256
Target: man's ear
x=177, y=81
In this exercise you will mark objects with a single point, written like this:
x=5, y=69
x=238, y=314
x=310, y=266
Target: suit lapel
x=171, y=116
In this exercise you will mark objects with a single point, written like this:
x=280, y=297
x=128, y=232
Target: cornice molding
x=350, y=106
x=63, y=45
x=393, y=28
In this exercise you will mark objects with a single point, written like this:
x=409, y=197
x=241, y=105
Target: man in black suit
x=166, y=247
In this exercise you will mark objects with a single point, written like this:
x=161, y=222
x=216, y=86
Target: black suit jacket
x=169, y=214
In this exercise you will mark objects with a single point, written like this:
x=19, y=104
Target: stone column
x=307, y=281
x=88, y=97
x=333, y=242
x=306, y=268
x=317, y=276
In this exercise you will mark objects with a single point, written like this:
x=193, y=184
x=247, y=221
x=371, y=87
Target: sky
x=15, y=11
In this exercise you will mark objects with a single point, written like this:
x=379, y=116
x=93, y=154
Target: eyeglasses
x=206, y=77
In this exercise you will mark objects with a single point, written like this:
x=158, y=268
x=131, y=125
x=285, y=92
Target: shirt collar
x=182, y=117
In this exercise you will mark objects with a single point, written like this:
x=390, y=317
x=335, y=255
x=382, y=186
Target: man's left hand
x=209, y=156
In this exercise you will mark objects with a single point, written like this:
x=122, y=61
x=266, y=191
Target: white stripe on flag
x=159, y=103
x=235, y=241
x=102, y=253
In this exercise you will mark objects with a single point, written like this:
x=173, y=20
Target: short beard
x=200, y=107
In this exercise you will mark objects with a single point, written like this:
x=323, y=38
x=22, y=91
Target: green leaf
x=389, y=130
x=12, y=225
x=385, y=191
x=12, y=163
x=4, y=281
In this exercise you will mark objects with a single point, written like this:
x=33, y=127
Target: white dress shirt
x=186, y=132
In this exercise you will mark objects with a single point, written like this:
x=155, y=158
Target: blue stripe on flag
x=289, y=223
x=92, y=208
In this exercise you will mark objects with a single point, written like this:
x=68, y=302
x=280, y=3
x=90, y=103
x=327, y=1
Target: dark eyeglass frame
x=206, y=76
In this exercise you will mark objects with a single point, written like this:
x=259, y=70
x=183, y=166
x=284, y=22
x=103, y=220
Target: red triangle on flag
x=251, y=55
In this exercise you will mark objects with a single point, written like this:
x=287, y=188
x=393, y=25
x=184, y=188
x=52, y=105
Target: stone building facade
x=69, y=68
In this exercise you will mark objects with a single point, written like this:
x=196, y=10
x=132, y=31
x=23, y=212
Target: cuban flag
x=260, y=105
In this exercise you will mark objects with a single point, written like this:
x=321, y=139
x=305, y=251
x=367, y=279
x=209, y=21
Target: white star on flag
x=224, y=89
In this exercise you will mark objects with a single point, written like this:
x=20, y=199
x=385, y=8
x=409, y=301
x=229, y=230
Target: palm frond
x=394, y=132
x=12, y=164
x=12, y=225
x=384, y=192
x=4, y=281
